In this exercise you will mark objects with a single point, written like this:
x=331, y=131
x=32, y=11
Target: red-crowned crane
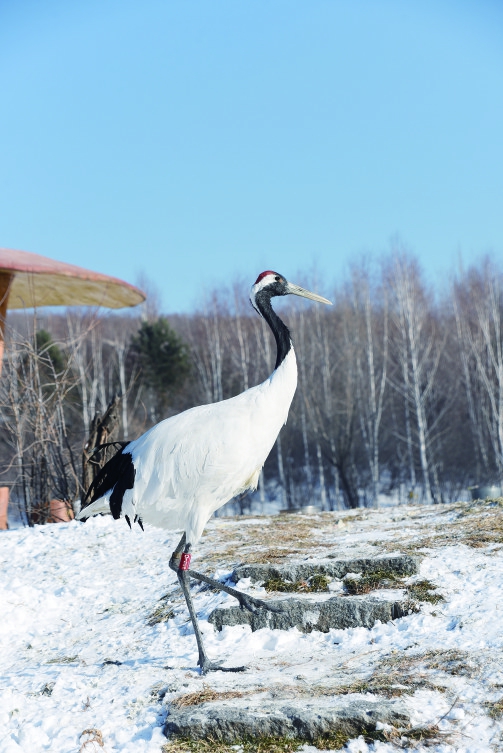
x=183, y=469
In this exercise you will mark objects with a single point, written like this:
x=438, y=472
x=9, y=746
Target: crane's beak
x=297, y=290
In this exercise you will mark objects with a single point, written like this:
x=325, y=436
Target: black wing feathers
x=118, y=474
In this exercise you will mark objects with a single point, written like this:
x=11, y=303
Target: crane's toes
x=216, y=666
x=252, y=604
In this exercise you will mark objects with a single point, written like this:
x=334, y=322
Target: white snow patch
x=77, y=652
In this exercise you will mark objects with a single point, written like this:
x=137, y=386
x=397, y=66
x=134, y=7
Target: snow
x=77, y=651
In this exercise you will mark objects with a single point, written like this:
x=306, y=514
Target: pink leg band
x=184, y=561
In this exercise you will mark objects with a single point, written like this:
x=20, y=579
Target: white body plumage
x=191, y=464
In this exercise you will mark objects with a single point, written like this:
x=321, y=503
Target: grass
x=405, y=672
x=450, y=661
x=335, y=741
x=424, y=590
x=382, y=684
x=210, y=745
x=371, y=582
x=162, y=613
x=494, y=709
x=419, y=591
x=411, y=669
x=477, y=524
x=295, y=533
x=315, y=584
x=207, y=695
x=400, y=737
x=94, y=739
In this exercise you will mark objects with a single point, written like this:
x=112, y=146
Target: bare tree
x=417, y=349
x=332, y=399
x=371, y=331
x=33, y=400
x=478, y=307
x=85, y=346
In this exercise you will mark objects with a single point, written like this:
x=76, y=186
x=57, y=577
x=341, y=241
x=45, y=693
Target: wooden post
x=60, y=511
x=4, y=504
x=103, y=429
x=5, y=283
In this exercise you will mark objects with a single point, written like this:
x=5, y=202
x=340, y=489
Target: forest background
x=400, y=386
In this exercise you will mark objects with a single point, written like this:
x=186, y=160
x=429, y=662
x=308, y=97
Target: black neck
x=279, y=329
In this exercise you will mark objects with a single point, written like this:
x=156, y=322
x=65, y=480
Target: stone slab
x=309, y=614
x=239, y=719
x=401, y=565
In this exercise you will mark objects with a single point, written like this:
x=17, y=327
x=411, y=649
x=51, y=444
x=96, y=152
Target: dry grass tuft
x=371, y=582
x=162, y=613
x=94, y=738
x=400, y=738
x=315, y=584
x=451, y=661
x=424, y=590
x=477, y=524
x=295, y=532
x=271, y=745
x=420, y=737
x=185, y=745
x=403, y=673
x=388, y=686
x=494, y=708
x=207, y=694
x=257, y=745
x=419, y=591
x=404, y=739
x=335, y=741
x=62, y=660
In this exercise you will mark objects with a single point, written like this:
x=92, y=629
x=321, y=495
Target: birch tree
x=417, y=349
x=372, y=345
x=478, y=307
x=332, y=403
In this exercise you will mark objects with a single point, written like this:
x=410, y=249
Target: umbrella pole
x=5, y=283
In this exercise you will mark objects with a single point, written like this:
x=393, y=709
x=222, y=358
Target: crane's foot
x=252, y=604
x=216, y=666
x=246, y=601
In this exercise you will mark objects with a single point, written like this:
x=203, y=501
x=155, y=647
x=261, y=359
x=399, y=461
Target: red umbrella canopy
x=28, y=280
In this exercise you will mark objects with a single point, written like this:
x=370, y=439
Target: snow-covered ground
x=81, y=647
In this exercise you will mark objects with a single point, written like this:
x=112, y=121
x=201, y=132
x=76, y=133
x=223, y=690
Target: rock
x=232, y=721
x=313, y=614
x=401, y=565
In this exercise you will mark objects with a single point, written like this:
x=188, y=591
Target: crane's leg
x=180, y=556
x=245, y=600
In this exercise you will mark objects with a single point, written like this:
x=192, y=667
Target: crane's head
x=269, y=284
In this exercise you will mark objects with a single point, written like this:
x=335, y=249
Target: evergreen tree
x=164, y=359
x=48, y=349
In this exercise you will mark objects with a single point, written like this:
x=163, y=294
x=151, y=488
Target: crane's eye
x=277, y=278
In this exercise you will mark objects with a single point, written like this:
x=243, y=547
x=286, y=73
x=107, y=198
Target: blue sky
x=198, y=142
